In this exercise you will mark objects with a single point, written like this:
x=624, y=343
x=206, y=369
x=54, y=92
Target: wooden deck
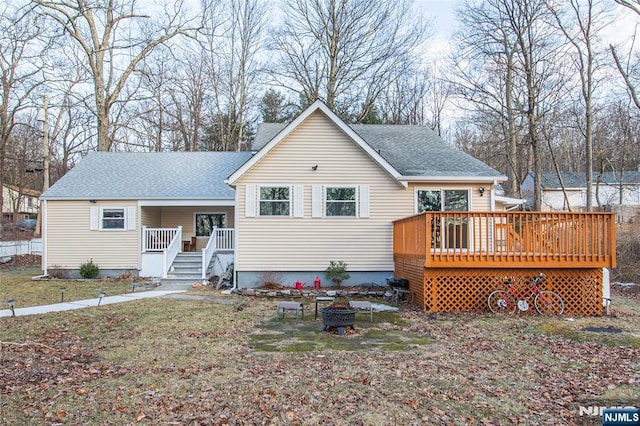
x=507, y=239
x=453, y=260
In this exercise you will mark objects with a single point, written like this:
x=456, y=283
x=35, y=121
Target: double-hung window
x=113, y=218
x=341, y=201
x=275, y=200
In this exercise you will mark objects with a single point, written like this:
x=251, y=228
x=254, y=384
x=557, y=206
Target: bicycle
x=506, y=301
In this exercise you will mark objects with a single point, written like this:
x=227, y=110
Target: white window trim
x=469, y=198
x=259, y=200
x=125, y=212
x=356, y=201
x=226, y=220
x=417, y=189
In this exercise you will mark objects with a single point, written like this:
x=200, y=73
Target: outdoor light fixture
x=62, y=290
x=101, y=296
x=92, y=201
x=314, y=167
x=12, y=302
x=481, y=190
x=133, y=286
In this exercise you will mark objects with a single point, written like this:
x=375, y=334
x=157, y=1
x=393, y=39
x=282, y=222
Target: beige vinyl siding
x=70, y=242
x=172, y=217
x=150, y=217
x=308, y=243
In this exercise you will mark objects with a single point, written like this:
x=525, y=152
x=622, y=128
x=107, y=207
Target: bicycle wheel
x=548, y=303
x=501, y=302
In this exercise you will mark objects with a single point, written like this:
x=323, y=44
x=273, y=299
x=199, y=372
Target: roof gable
x=150, y=175
x=277, y=133
x=414, y=152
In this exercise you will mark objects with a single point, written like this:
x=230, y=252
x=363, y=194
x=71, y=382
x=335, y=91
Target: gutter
x=481, y=179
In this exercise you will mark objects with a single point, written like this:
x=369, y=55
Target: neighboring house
x=608, y=189
x=18, y=203
x=316, y=190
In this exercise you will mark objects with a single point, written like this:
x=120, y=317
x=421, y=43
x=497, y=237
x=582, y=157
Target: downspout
x=236, y=215
x=492, y=194
x=44, y=237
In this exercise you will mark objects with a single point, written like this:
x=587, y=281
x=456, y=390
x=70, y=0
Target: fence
x=15, y=248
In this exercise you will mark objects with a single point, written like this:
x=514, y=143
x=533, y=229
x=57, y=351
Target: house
x=18, y=203
x=313, y=191
x=609, y=188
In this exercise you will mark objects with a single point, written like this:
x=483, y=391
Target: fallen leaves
x=176, y=363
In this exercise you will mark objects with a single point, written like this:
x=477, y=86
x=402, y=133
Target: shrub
x=337, y=272
x=89, y=270
x=270, y=279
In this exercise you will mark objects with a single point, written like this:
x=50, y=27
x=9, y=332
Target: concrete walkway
x=79, y=304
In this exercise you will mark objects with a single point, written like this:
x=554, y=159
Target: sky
x=443, y=13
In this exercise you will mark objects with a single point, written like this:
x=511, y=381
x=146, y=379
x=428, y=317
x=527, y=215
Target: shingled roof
x=151, y=175
x=578, y=180
x=415, y=151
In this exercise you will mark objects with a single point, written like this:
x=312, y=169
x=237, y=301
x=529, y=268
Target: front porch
x=454, y=259
x=163, y=254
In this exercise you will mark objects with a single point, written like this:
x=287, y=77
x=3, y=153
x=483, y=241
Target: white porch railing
x=225, y=238
x=169, y=255
x=166, y=240
x=221, y=239
x=158, y=239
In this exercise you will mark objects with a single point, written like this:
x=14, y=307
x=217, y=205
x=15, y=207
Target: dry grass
x=201, y=361
x=627, y=253
x=17, y=284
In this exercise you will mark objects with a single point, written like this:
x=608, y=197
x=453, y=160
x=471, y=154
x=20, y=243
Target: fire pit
x=339, y=316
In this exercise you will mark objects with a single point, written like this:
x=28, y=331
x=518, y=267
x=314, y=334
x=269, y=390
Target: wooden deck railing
x=508, y=239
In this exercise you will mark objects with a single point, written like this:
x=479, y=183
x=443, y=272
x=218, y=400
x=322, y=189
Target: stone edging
x=305, y=293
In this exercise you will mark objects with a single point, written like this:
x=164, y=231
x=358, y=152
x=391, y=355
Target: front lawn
x=17, y=284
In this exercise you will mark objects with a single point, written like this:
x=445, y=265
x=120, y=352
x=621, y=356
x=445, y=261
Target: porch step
x=179, y=283
x=187, y=267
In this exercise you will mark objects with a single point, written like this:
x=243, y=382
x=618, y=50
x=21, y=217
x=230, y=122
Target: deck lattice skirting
x=452, y=290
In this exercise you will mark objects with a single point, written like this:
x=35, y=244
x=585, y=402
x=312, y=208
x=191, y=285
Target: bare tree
x=21, y=65
x=629, y=67
x=537, y=57
x=345, y=51
x=581, y=22
x=404, y=100
x=114, y=38
x=486, y=75
x=233, y=36
x=485, y=70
